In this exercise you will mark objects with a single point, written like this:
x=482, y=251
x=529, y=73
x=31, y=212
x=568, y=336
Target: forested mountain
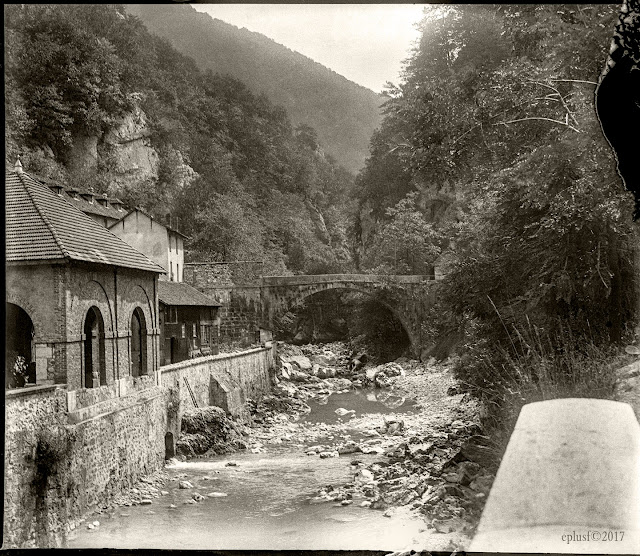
x=93, y=99
x=491, y=164
x=343, y=113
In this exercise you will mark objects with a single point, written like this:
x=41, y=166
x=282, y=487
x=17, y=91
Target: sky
x=365, y=43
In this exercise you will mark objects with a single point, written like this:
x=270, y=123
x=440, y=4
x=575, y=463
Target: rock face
x=128, y=145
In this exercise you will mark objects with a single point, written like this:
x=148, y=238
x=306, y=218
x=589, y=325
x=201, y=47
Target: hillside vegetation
x=343, y=113
x=95, y=100
x=491, y=165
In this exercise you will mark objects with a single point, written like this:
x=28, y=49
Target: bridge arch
x=280, y=294
x=301, y=297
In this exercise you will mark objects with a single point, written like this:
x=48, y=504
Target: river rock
x=340, y=383
x=332, y=454
x=477, y=449
x=145, y=502
x=197, y=497
x=325, y=359
x=302, y=361
x=185, y=484
x=341, y=412
x=217, y=494
x=298, y=376
x=363, y=477
x=349, y=447
x=285, y=370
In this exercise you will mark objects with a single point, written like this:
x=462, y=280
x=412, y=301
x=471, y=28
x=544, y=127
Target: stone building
x=189, y=322
x=81, y=303
x=161, y=243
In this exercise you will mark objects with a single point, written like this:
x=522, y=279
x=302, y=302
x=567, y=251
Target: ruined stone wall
x=96, y=452
x=225, y=380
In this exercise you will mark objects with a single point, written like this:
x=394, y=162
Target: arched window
x=19, y=358
x=138, y=343
x=95, y=369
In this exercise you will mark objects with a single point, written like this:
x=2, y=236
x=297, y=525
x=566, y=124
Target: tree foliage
x=241, y=182
x=495, y=118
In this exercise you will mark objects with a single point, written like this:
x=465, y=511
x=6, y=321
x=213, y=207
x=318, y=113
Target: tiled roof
x=84, y=205
x=139, y=209
x=41, y=225
x=95, y=207
x=180, y=293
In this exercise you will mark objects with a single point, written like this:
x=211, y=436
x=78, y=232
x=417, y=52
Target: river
x=268, y=502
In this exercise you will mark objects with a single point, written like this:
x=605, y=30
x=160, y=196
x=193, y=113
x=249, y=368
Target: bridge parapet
x=381, y=279
x=252, y=302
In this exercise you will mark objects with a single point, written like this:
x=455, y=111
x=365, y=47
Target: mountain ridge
x=343, y=113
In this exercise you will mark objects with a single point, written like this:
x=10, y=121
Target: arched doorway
x=138, y=343
x=19, y=344
x=95, y=369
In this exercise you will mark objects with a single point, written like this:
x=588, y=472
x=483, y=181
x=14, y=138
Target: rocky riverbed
x=412, y=440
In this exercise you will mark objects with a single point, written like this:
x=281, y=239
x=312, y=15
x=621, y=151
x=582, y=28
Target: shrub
x=536, y=367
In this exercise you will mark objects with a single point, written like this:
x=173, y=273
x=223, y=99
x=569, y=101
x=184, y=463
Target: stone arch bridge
x=254, y=306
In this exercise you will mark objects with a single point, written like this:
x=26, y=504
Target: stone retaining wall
x=68, y=452
x=94, y=455
x=225, y=380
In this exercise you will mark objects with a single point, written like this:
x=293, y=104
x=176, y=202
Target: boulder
x=327, y=359
x=341, y=412
x=185, y=484
x=477, y=449
x=325, y=455
x=302, y=361
x=349, y=447
x=363, y=477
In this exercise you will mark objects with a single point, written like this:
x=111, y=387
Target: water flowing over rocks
x=429, y=460
x=435, y=461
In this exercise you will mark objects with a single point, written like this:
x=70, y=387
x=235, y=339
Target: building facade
x=81, y=303
x=162, y=244
x=189, y=322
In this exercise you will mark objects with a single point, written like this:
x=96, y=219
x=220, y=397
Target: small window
x=184, y=330
x=171, y=315
x=194, y=329
x=171, y=275
x=204, y=337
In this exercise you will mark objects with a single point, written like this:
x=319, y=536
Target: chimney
x=88, y=196
x=116, y=204
x=103, y=200
x=18, y=167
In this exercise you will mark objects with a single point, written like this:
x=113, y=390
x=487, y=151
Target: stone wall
x=94, y=453
x=57, y=298
x=225, y=380
x=237, y=286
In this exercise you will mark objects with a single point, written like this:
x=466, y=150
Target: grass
x=532, y=367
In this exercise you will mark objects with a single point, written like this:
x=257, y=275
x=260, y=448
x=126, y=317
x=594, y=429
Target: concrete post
x=569, y=482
